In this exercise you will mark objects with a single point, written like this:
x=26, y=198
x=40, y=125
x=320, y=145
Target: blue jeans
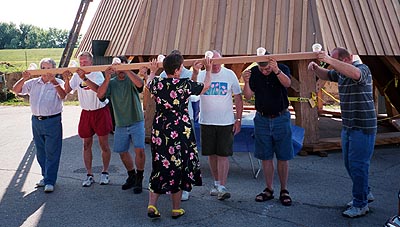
x=273, y=136
x=357, y=148
x=196, y=110
x=47, y=135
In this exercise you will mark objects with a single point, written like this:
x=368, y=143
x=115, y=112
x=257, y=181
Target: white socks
x=217, y=184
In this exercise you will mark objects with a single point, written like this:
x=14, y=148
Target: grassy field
x=21, y=102
x=21, y=58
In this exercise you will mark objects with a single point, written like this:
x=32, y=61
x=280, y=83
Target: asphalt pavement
x=319, y=186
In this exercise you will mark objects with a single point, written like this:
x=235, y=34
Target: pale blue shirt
x=43, y=97
x=186, y=73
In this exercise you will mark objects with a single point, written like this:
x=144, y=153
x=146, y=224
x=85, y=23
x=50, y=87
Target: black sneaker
x=130, y=182
x=138, y=185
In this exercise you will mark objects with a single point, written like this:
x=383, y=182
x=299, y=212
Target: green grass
x=15, y=102
x=18, y=101
x=21, y=58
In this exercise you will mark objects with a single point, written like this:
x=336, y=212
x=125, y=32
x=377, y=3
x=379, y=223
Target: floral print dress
x=175, y=161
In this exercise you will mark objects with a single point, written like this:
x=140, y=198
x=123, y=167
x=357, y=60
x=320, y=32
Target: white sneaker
x=48, y=188
x=104, y=179
x=370, y=198
x=185, y=196
x=354, y=212
x=89, y=181
x=40, y=183
x=214, y=191
x=223, y=193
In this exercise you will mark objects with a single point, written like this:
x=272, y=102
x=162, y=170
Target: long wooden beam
x=187, y=62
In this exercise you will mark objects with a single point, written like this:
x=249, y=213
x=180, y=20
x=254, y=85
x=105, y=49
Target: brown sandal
x=285, y=198
x=266, y=195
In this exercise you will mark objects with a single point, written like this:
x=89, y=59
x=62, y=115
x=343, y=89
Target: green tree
x=24, y=38
x=9, y=36
x=28, y=37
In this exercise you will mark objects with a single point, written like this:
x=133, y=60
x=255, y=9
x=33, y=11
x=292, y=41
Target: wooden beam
x=188, y=62
x=295, y=85
x=392, y=63
x=306, y=116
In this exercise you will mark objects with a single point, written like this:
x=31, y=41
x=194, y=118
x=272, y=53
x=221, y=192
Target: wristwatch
x=279, y=72
x=85, y=79
x=239, y=119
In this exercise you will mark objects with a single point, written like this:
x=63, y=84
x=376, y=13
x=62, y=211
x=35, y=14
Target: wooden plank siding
x=239, y=27
x=236, y=27
x=365, y=27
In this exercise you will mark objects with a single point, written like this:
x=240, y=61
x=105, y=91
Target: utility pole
x=74, y=34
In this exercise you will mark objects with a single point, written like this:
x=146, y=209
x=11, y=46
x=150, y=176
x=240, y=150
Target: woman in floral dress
x=175, y=161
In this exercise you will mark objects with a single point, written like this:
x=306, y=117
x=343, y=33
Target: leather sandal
x=180, y=213
x=152, y=212
x=285, y=198
x=266, y=195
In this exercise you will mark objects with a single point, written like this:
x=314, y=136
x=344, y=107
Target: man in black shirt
x=269, y=81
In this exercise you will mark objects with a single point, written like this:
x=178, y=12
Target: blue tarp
x=244, y=141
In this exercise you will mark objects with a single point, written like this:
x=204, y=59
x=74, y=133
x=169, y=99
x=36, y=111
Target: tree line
x=27, y=36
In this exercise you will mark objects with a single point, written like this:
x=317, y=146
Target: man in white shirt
x=95, y=116
x=46, y=95
x=218, y=124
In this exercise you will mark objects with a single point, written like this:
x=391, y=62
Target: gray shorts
x=216, y=140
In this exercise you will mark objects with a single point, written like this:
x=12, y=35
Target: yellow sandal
x=180, y=212
x=154, y=213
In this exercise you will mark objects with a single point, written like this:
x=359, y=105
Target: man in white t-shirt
x=218, y=123
x=95, y=116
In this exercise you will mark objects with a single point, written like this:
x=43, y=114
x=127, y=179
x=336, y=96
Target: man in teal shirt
x=123, y=90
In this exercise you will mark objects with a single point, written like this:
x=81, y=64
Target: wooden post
x=306, y=116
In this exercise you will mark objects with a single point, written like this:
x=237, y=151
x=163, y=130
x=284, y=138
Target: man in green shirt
x=123, y=90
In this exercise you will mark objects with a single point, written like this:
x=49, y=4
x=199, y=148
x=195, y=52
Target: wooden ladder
x=74, y=34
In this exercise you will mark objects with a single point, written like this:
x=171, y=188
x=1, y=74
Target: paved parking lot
x=319, y=187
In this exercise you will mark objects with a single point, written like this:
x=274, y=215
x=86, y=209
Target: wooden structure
x=143, y=29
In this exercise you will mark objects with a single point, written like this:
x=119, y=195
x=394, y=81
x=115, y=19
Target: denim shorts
x=273, y=136
x=124, y=135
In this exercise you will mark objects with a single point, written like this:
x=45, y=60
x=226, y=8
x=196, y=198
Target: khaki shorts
x=216, y=140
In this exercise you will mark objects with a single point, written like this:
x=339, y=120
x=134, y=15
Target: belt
x=95, y=109
x=273, y=115
x=41, y=118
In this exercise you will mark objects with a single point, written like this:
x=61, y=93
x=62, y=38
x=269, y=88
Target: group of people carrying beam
x=174, y=154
